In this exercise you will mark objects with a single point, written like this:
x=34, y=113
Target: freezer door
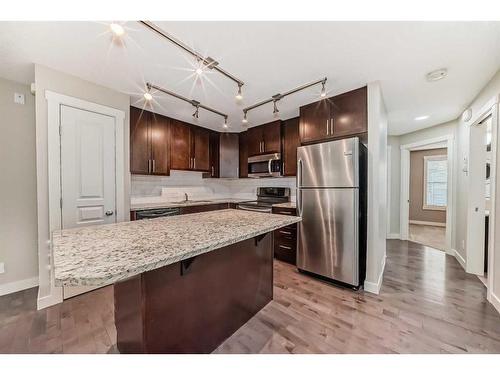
x=328, y=233
x=329, y=164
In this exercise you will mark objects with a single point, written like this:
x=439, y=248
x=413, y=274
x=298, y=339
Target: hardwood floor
x=427, y=304
x=428, y=235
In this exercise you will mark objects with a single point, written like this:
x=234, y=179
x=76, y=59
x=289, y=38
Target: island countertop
x=104, y=254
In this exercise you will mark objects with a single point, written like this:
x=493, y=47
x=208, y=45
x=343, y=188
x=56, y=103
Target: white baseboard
x=372, y=287
x=393, y=236
x=495, y=301
x=17, y=286
x=430, y=223
x=460, y=258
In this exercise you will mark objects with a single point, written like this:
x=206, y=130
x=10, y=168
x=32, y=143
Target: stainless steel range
x=266, y=197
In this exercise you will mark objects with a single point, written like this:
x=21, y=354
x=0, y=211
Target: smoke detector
x=436, y=75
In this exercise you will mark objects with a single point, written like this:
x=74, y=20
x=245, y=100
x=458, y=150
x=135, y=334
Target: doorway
x=426, y=192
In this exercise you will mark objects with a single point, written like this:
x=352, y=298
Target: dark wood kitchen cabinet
x=149, y=143
x=285, y=239
x=190, y=147
x=290, y=142
x=180, y=155
x=340, y=116
x=243, y=145
x=264, y=139
x=214, y=154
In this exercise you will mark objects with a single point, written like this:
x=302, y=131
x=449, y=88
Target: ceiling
x=270, y=57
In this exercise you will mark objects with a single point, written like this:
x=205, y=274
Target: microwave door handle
x=269, y=166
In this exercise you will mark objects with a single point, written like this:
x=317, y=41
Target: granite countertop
x=285, y=205
x=104, y=254
x=165, y=204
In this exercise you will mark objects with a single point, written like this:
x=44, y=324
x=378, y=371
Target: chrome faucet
x=186, y=198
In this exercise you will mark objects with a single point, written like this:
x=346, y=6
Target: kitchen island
x=182, y=284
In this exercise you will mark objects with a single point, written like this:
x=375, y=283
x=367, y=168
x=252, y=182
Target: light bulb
x=148, y=96
x=199, y=71
x=239, y=96
x=225, y=123
x=117, y=29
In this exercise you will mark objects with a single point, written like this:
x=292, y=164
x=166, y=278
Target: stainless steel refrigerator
x=331, y=199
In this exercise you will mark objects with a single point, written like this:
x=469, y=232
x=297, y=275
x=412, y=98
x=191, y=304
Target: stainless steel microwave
x=268, y=165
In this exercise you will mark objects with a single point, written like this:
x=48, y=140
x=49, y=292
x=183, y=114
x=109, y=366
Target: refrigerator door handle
x=299, y=173
x=299, y=202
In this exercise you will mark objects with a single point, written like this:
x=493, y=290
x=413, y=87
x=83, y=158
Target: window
x=435, y=182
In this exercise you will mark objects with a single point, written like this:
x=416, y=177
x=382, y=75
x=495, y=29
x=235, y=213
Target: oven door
x=268, y=165
x=253, y=207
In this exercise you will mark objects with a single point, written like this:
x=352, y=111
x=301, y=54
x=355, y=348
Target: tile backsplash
x=244, y=187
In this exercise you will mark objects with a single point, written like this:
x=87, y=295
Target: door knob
x=109, y=212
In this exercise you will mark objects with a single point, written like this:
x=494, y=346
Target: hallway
x=427, y=304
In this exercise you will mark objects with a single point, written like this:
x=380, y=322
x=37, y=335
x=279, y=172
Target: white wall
x=18, y=227
x=48, y=79
x=394, y=181
x=377, y=188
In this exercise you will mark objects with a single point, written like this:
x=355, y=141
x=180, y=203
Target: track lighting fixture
x=275, y=98
x=239, y=95
x=193, y=102
x=245, y=120
x=204, y=62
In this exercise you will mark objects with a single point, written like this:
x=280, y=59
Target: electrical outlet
x=18, y=98
x=2, y=267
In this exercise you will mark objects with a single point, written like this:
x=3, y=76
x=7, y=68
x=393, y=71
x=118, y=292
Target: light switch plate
x=18, y=98
x=2, y=267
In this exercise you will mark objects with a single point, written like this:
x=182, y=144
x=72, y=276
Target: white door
x=87, y=172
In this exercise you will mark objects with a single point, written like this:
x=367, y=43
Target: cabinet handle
x=285, y=247
x=154, y=165
x=285, y=232
x=331, y=126
x=149, y=166
x=327, y=127
x=212, y=170
x=194, y=163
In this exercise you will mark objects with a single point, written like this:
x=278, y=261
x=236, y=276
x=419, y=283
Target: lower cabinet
x=285, y=239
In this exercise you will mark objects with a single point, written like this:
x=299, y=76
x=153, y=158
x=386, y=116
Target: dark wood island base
x=193, y=305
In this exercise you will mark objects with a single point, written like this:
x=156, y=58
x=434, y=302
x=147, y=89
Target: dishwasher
x=156, y=212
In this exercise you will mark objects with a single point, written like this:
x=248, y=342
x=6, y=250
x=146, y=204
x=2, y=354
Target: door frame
x=54, y=103
x=426, y=144
x=490, y=108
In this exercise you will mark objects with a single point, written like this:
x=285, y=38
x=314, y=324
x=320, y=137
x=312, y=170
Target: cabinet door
x=290, y=144
x=254, y=141
x=243, y=169
x=315, y=121
x=214, y=154
x=160, y=145
x=201, y=149
x=140, y=145
x=180, y=142
x=272, y=136
x=349, y=113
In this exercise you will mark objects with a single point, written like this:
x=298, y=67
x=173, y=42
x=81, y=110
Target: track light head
x=196, y=112
x=323, y=89
x=275, y=107
x=225, y=122
x=239, y=95
x=117, y=29
x=245, y=120
x=147, y=96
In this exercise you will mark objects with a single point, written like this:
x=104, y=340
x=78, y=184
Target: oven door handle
x=246, y=208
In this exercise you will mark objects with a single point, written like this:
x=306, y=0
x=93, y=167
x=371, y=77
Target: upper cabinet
x=264, y=139
x=290, y=131
x=190, y=147
x=243, y=145
x=214, y=153
x=336, y=117
x=149, y=143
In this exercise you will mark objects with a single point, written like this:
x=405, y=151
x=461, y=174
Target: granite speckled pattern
x=104, y=254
